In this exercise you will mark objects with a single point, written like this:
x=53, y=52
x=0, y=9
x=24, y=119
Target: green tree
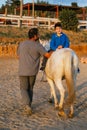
x=74, y=4
x=68, y=19
x=42, y=2
x=8, y=2
x=11, y=4
x=39, y=13
x=15, y=3
x=2, y=9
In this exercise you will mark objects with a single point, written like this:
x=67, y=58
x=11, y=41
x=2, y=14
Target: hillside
x=13, y=35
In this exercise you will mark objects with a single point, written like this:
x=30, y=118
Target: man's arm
x=48, y=54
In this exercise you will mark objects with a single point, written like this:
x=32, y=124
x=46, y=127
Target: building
x=53, y=11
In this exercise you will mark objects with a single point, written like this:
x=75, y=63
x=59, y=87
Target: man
x=59, y=40
x=29, y=53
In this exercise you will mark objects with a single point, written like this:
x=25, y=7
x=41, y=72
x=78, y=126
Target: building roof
x=43, y=7
x=48, y=7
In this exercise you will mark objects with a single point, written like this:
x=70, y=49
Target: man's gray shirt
x=29, y=53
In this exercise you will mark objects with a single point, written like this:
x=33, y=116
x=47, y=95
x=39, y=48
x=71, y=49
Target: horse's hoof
x=27, y=111
x=61, y=113
x=70, y=115
x=50, y=100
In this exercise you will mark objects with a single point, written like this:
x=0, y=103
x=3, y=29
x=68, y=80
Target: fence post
x=49, y=24
x=19, y=23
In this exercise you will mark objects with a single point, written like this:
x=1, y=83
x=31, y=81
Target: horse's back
x=59, y=61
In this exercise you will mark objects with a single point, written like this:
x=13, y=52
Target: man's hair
x=58, y=24
x=32, y=32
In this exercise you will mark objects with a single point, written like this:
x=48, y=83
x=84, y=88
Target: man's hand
x=48, y=54
x=59, y=47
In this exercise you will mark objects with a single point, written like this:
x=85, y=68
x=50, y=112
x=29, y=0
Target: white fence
x=15, y=20
x=82, y=24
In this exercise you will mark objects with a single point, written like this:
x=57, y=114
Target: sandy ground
x=44, y=116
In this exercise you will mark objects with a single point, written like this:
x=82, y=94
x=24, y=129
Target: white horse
x=62, y=63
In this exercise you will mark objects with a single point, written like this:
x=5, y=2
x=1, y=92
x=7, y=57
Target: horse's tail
x=69, y=75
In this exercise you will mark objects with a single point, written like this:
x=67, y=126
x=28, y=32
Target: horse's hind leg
x=62, y=92
x=53, y=93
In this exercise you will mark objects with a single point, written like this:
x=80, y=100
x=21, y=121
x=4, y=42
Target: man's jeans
x=26, y=87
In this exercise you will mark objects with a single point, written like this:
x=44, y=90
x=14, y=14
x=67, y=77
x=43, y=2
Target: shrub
x=68, y=19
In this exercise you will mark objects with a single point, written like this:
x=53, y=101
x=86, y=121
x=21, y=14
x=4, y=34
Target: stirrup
x=42, y=68
x=78, y=70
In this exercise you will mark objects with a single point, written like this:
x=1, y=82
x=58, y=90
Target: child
x=59, y=40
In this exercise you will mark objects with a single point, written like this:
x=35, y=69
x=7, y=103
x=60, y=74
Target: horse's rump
x=63, y=63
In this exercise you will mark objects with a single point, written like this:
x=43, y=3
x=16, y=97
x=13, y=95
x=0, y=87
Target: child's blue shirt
x=59, y=40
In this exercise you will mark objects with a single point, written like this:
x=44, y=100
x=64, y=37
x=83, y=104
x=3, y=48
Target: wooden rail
x=16, y=20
